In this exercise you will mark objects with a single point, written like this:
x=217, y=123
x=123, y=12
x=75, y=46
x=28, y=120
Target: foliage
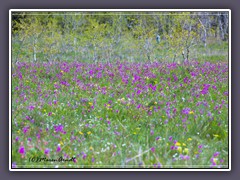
x=105, y=36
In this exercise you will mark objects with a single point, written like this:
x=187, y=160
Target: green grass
x=115, y=133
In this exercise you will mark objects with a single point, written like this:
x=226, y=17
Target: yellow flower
x=179, y=149
x=189, y=139
x=90, y=103
x=185, y=150
x=183, y=144
x=89, y=132
x=215, y=160
x=216, y=135
x=178, y=144
x=91, y=148
x=61, y=142
x=80, y=132
x=62, y=71
x=191, y=112
x=155, y=102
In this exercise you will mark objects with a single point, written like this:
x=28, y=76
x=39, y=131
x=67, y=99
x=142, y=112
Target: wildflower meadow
x=121, y=114
x=154, y=113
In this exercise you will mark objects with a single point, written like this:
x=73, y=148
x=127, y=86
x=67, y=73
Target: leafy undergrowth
x=120, y=115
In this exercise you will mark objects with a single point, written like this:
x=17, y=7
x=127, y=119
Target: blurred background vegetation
x=111, y=36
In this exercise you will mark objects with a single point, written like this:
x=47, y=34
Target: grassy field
x=120, y=115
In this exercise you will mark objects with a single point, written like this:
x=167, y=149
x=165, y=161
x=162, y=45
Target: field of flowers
x=120, y=115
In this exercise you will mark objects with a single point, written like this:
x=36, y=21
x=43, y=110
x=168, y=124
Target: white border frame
x=115, y=10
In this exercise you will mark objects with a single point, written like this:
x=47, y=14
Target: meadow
x=149, y=114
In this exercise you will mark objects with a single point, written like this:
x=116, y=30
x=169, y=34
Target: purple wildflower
x=59, y=128
x=84, y=156
x=186, y=111
x=58, y=148
x=31, y=108
x=153, y=149
x=216, y=154
x=14, y=165
x=17, y=138
x=139, y=92
x=21, y=150
x=25, y=129
x=46, y=151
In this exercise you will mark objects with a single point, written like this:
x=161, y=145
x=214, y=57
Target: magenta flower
x=186, y=157
x=21, y=150
x=138, y=106
x=58, y=148
x=216, y=154
x=17, y=138
x=153, y=149
x=186, y=111
x=46, y=151
x=139, y=92
x=226, y=93
x=31, y=108
x=59, y=128
x=25, y=129
x=205, y=88
x=84, y=155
